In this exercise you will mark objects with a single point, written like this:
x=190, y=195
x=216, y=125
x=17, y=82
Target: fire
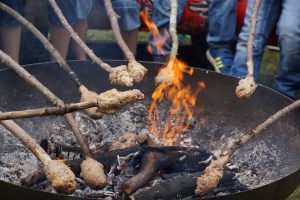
x=181, y=98
x=158, y=39
x=167, y=126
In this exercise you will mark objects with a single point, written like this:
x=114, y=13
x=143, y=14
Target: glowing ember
x=181, y=98
x=158, y=39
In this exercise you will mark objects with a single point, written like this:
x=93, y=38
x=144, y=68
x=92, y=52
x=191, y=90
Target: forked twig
x=247, y=85
x=214, y=172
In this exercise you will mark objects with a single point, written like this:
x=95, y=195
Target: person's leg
x=161, y=18
x=10, y=29
x=59, y=36
x=221, y=34
x=11, y=40
x=288, y=79
x=130, y=38
x=268, y=14
x=129, y=21
x=83, y=8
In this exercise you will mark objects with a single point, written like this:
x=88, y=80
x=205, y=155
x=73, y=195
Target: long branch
x=59, y=59
x=77, y=39
x=61, y=177
x=113, y=17
x=247, y=85
x=214, y=172
x=61, y=110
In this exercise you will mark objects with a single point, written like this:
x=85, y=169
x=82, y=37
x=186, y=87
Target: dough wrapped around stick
x=92, y=172
x=209, y=181
x=87, y=95
x=136, y=70
x=120, y=75
x=57, y=172
x=112, y=100
x=246, y=87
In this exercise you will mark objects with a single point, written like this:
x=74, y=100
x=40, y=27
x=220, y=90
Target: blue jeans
x=129, y=12
x=222, y=24
x=161, y=18
x=287, y=80
x=72, y=10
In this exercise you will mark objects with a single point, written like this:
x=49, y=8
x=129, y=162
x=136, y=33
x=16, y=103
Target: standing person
x=76, y=12
x=287, y=81
x=221, y=37
x=10, y=29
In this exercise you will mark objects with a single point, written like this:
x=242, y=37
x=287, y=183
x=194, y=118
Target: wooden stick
x=113, y=17
x=77, y=39
x=247, y=86
x=67, y=108
x=166, y=74
x=214, y=172
x=55, y=54
x=61, y=177
x=52, y=97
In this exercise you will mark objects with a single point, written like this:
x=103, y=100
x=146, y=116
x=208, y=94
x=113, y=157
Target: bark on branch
x=247, y=85
x=107, y=102
x=214, y=172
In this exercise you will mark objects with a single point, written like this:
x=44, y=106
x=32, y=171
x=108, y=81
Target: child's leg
x=130, y=38
x=11, y=40
x=60, y=39
x=81, y=28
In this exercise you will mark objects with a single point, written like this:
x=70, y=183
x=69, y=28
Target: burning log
x=247, y=85
x=61, y=177
x=118, y=75
x=166, y=74
x=169, y=160
x=57, y=102
x=107, y=102
x=135, y=69
x=214, y=172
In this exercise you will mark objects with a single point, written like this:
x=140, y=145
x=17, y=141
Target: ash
x=211, y=133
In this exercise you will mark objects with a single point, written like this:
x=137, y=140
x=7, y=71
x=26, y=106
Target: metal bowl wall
x=218, y=98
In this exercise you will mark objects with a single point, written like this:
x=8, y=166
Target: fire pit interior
x=121, y=141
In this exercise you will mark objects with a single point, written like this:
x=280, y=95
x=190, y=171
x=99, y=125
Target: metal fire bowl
x=222, y=110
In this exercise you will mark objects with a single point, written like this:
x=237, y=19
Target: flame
x=158, y=39
x=167, y=126
x=182, y=98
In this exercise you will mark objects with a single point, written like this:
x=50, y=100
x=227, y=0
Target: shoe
x=221, y=59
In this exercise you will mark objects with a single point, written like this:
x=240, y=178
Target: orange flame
x=181, y=99
x=158, y=39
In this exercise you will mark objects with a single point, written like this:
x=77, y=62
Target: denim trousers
x=161, y=18
x=222, y=24
x=287, y=13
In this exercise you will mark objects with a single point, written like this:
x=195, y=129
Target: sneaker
x=221, y=59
